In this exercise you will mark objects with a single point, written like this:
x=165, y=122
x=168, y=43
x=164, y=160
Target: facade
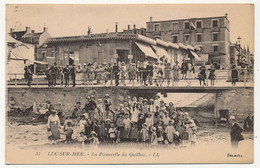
x=31, y=37
x=210, y=34
x=108, y=48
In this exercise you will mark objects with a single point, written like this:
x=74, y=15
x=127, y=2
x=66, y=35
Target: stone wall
x=64, y=98
x=239, y=102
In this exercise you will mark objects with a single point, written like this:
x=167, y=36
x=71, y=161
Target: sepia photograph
x=129, y=83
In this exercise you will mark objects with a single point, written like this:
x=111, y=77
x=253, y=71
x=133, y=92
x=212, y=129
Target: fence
x=108, y=78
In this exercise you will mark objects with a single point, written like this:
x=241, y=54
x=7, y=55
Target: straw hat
x=153, y=129
x=144, y=124
x=93, y=133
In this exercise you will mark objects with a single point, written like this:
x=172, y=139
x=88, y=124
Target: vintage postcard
x=129, y=84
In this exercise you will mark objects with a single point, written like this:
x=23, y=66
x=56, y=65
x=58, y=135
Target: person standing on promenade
x=66, y=71
x=73, y=75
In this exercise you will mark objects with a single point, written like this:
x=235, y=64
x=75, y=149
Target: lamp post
x=239, y=49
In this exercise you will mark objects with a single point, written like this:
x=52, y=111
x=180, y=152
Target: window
x=215, y=37
x=142, y=32
x=175, y=26
x=186, y=38
x=198, y=38
x=53, y=54
x=186, y=25
x=215, y=23
x=198, y=24
x=175, y=39
x=43, y=54
x=156, y=27
x=215, y=48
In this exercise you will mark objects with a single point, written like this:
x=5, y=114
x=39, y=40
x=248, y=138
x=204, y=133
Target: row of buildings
x=196, y=39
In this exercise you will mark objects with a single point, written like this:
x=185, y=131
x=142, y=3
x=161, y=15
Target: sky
x=68, y=20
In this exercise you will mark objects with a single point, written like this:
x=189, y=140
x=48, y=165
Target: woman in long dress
x=176, y=71
x=54, y=126
x=168, y=73
x=134, y=110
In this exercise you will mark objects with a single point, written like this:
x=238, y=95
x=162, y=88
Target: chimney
x=28, y=30
x=33, y=31
x=107, y=31
x=11, y=30
x=116, y=27
x=45, y=29
x=226, y=14
x=134, y=26
x=128, y=27
x=151, y=18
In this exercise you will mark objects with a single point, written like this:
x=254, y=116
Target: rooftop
x=199, y=18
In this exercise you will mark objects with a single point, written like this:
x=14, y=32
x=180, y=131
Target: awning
x=147, y=50
x=196, y=56
x=181, y=45
x=173, y=45
x=40, y=62
x=190, y=47
x=162, y=43
x=161, y=52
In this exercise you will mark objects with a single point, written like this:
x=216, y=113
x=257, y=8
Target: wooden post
x=15, y=80
x=37, y=80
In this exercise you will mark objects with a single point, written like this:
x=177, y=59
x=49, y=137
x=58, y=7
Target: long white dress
x=134, y=112
x=170, y=132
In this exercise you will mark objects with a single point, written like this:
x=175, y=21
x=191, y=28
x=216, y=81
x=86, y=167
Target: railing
x=108, y=78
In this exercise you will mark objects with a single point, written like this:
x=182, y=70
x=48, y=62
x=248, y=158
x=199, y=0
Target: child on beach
x=144, y=133
x=127, y=124
x=112, y=133
x=102, y=132
x=170, y=131
x=94, y=141
x=154, y=140
x=82, y=123
x=69, y=132
x=140, y=122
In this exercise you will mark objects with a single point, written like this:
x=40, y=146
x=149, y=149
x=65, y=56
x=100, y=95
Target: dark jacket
x=236, y=132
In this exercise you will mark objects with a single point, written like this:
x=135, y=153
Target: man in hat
x=54, y=71
x=236, y=132
x=66, y=72
x=249, y=123
x=92, y=106
x=149, y=69
x=116, y=71
x=73, y=75
x=108, y=103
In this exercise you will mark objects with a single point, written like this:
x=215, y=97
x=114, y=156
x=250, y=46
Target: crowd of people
x=145, y=73
x=137, y=119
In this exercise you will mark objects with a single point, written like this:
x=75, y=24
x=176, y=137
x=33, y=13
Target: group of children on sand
x=151, y=122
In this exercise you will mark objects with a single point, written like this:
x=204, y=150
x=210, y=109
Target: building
x=141, y=31
x=234, y=54
x=210, y=34
x=19, y=55
x=31, y=37
x=109, y=48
